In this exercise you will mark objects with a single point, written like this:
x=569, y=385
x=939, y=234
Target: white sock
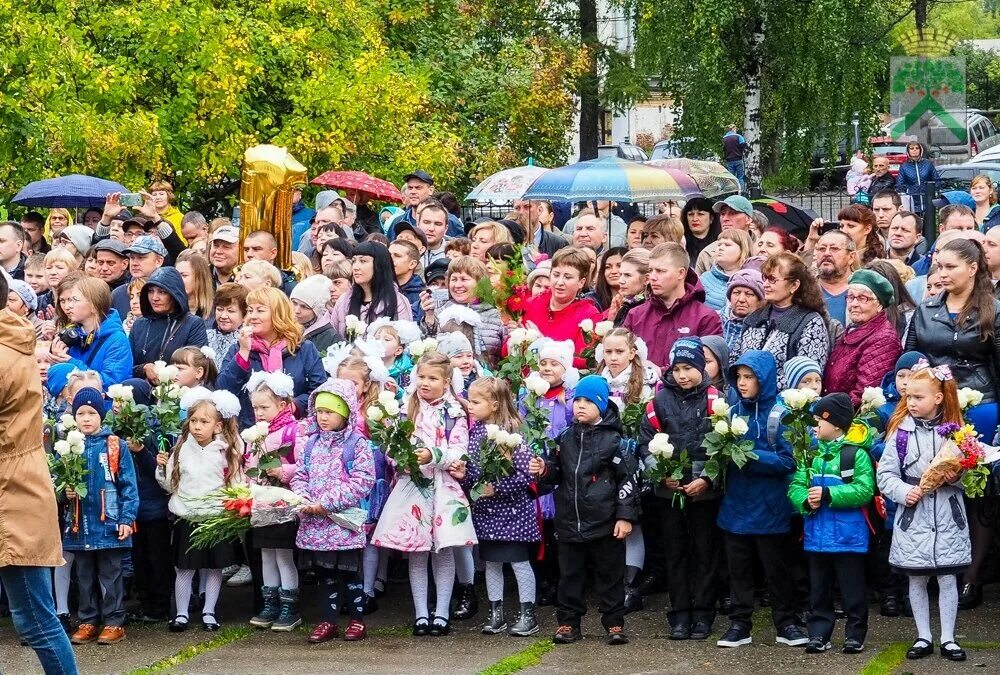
x=63, y=575
x=269, y=568
x=635, y=548
x=494, y=580
x=921, y=607
x=287, y=571
x=525, y=581
x=182, y=590
x=418, y=583
x=370, y=565
x=948, y=606
x=465, y=564
x=443, y=564
x=213, y=584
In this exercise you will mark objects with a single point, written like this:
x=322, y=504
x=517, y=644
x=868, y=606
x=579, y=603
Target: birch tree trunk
x=751, y=120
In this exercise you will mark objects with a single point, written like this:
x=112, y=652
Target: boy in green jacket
x=832, y=497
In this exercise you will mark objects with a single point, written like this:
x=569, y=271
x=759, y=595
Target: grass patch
x=518, y=661
x=225, y=636
x=391, y=631
x=887, y=660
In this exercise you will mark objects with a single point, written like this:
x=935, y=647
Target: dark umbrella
x=784, y=214
x=70, y=192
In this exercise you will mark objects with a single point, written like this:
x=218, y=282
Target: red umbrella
x=359, y=181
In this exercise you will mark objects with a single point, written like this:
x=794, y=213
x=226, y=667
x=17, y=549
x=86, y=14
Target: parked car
x=674, y=148
x=623, y=151
x=958, y=176
x=980, y=135
x=894, y=151
x=988, y=155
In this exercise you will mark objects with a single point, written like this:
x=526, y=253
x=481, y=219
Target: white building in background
x=653, y=116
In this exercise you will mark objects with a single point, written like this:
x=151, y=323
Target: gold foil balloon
x=269, y=180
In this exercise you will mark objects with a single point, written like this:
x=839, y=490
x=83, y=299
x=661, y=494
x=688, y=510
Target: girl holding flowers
x=207, y=457
x=427, y=522
x=504, y=516
x=930, y=535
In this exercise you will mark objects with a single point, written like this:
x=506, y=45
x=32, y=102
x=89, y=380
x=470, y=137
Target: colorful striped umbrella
x=506, y=186
x=712, y=178
x=614, y=179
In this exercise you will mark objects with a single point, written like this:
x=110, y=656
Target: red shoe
x=355, y=631
x=323, y=632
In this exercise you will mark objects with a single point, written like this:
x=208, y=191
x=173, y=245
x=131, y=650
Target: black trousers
x=694, y=559
x=96, y=570
x=772, y=552
x=848, y=570
x=652, y=531
x=255, y=562
x=607, y=560
x=154, y=573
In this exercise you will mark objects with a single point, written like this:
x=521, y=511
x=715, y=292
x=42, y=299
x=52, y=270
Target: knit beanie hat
x=595, y=389
x=797, y=367
x=547, y=348
x=689, y=351
x=80, y=235
x=313, y=292
x=835, y=409
x=747, y=278
x=905, y=362
x=88, y=396
x=326, y=400
x=25, y=292
x=453, y=343
x=57, y=377
x=876, y=283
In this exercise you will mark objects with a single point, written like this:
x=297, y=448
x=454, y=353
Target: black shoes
x=616, y=636
x=818, y=645
x=421, y=627
x=920, y=649
x=852, y=646
x=889, y=606
x=178, y=624
x=952, y=651
x=652, y=584
x=439, y=626
x=701, y=630
x=737, y=636
x=567, y=634
x=467, y=604
x=970, y=596
x=792, y=636
x=681, y=631
x=633, y=600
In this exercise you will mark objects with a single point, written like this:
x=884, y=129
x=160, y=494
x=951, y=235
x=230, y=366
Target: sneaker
x=228, y=572
x=566, y=635
x=737, y=636
x=355, y=631
x=241, y=578
x=817, y=645
x=701, y=630
x=792, y=636
x=616, y=636
x=323, y=632
x=111, y=635
x=852, y=646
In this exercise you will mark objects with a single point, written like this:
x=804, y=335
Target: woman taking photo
x=858, y=223
x=793, y=320
x=608, y=273
x=701, y=225
x=631, y=285
x=271, y=341
x=166, y=324
x=197, y=275
x=732, y=249
x=987, y=209
x=959, y=328
x=374, y=293
x=91, y=336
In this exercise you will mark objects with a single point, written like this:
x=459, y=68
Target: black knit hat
x=835, y=409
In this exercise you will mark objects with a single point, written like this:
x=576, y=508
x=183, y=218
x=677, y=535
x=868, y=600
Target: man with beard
x=834, y=257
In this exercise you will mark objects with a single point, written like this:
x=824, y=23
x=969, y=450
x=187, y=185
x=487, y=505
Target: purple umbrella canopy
x=69, y=192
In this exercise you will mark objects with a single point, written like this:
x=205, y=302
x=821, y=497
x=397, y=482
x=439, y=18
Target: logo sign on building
x=927, y=101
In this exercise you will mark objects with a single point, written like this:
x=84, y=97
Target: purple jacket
x=509, y=515
x=862, y=357
x=660, y=326
x=560, y=417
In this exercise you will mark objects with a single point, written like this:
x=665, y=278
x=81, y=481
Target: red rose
x=438, y=521
x=244, y=511
x=515, y=303
x=416, y=513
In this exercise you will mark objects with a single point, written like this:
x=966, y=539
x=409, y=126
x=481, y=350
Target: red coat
x=564, y=324
x=862, y=357
x=660, y=326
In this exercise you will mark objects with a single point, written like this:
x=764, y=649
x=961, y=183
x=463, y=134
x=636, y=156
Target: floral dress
x=438, y=516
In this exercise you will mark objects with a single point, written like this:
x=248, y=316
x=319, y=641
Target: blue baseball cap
x=147, y=244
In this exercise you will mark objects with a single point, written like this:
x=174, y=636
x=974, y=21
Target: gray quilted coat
x=931, y=537
x=490, y=333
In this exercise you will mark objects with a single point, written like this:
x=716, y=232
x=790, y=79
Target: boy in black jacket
x=596, y=504
x=682, y=409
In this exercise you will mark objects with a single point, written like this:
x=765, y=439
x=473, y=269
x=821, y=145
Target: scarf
x=270, y=355
x=285, y=422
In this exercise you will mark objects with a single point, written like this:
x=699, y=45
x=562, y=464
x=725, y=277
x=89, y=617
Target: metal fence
x=826, y=203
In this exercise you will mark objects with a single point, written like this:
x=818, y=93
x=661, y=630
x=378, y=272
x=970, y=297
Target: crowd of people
x=702, y=303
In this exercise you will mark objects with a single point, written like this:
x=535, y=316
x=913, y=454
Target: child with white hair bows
x=396, y=337
x=207, y=458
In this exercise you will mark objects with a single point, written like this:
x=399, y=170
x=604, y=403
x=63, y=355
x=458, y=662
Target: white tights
x=947, y=606
x=182, y=590
x=443, y=565
x=278, y=568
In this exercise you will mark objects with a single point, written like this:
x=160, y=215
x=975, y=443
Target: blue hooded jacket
x=155, y=337
x=109, y=353
x=756, y=497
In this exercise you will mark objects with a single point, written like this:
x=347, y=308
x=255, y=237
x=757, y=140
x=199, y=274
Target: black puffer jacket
x=974, y=363
x=684, y=416
x=596, y=483
x=155, y=337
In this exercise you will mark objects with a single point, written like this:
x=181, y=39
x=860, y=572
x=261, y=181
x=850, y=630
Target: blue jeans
x=737, y=168
x=29, y=590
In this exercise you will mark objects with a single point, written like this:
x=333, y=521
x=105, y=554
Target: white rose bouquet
x=254, y=437
x=663, y=463
x=520, y=359
x=725, y=443
x=872, y=398
x=799, y=422
x=969, y=398
x=166, y=412
x=534, y=426
x=394, y=435
x=68, y=468
x=495, y=459
x=128, y=419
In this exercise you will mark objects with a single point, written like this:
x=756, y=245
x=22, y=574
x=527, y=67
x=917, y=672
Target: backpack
x=654, y=420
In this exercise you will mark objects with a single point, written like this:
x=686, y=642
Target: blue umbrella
x=69, y=192
x=614, y=179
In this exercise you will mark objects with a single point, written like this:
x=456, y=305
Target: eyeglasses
x=860, y=299
x=829, y=249
x=771, y=279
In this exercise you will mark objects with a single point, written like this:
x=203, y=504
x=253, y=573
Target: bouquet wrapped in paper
x=960, y=452
x=948, y=460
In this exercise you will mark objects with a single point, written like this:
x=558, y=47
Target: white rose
x=417, y=348
x=873, y=397
x=531, y=335
x=77, y=449
x=249, y=435
x=793, y=399
x=518, y=336
x=391, y=408
x=810, y=395
x=720, y=408
x=67, y=421
x=159, y=365
x=660, y=446
x=516, y=440
x=208, y=352
x=61, y=448
x=386, y=397
x=739, y=426
x=74, y=437
x=536, y=384
x=603, y=328
x=374, y=413
x=587, y=326
x=430, y=344
x=721, y=427
x=491, y=431
x=263, y=428
x=501, y=437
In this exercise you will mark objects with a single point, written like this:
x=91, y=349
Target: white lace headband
x=225, y=402
x=281, y=384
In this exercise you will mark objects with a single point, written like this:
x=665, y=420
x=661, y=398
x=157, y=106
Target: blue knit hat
x=689, y=351
x=797, y=367
x=907, y=361
x=595, y=389
x=91, y=397
x=57, y=377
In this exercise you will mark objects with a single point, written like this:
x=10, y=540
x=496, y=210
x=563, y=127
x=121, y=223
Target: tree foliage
x=126, y=89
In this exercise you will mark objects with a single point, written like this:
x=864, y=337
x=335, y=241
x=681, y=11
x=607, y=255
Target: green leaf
x=460, y=515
